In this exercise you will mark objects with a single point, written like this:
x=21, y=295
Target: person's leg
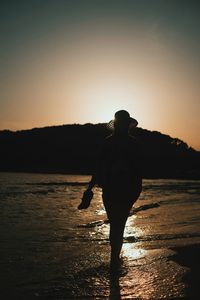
x=117, y=213
x=116, y=239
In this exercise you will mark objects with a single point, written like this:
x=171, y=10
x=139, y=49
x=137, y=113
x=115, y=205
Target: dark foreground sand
x=189, y=256
x=145, y=274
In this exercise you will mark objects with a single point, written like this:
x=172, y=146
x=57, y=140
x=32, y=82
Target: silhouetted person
x=118, y=175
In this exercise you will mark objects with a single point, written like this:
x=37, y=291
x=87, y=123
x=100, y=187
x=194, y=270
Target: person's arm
x=99, y=158
x=92, y=182
x=88, y=194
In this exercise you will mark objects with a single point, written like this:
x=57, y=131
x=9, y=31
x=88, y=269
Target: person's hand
x=86, y=199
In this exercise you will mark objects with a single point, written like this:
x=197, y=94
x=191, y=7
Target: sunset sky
x=79, y=61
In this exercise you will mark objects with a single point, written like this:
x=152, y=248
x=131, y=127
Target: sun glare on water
x=131, y=252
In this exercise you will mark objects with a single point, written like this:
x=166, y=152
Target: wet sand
x=145, y=274
x=50, y=250
x=188, y=257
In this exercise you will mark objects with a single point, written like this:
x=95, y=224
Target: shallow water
x=50, y=249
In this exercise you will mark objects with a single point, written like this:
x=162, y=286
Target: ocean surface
x=51, y=250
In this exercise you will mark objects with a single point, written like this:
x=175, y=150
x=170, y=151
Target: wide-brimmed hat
x=122, y=116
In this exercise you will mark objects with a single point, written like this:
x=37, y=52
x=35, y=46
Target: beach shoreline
x=155, y=274
x=51, y=250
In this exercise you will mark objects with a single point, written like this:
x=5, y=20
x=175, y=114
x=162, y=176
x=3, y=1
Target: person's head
x=122, y=122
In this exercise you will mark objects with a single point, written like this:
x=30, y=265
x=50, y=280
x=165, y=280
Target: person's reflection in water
x=118, y=175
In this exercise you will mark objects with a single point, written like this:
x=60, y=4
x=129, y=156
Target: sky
x=79, y=61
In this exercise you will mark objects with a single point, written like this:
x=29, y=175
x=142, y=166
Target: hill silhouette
x=73, y=148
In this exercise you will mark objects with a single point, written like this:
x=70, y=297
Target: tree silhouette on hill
x=73, y=148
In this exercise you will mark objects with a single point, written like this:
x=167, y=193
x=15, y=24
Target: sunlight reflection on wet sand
x=132, y=230
x=129, y=251
x=145, y=273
